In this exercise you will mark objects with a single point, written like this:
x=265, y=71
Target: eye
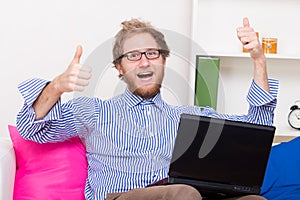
x=152, y=53
x=133, y=55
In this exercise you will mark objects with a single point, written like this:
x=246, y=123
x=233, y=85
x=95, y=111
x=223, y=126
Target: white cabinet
x=214, y=30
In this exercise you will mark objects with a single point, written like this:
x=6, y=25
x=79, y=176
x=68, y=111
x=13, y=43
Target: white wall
x=215, y=30
x=38, y=39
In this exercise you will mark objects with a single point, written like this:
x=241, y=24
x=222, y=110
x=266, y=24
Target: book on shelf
x=207, y=80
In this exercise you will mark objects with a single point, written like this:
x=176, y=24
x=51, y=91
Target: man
x=129, y=138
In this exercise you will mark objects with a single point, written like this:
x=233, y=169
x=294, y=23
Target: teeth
x=145, y=74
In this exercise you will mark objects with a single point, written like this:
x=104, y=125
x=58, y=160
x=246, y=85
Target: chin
x=148, y=92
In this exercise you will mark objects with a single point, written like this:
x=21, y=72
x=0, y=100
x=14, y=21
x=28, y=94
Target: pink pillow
x=49, y=171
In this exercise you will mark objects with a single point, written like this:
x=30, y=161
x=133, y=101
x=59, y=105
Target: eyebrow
x=142, y=50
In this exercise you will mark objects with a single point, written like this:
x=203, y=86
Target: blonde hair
x=133, y=27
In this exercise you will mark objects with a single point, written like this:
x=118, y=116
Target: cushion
x=282, y=177
x=49, y=171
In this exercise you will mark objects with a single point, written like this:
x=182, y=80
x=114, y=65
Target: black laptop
x=221, y=158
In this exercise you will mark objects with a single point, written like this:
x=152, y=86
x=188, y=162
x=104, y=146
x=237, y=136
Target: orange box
x=269, y=45
x=245, y=50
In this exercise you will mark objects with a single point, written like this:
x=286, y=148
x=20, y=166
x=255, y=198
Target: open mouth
x=145, y=75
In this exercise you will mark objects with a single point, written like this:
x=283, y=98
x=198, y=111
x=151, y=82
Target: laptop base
x=213, y=191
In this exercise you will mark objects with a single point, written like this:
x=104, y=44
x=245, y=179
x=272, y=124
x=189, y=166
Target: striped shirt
x=129, y=140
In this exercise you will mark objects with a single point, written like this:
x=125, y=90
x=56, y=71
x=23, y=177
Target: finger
x=245, y=40
x=246, y=22
x=251, y=45
x=80, y=85
x=86, y=69
x=81, y=82
x=79, y=88
x=77, y=55
x=84, y=74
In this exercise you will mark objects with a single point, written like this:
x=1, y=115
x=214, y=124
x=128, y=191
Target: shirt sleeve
x=261, y=105
x=62, y=122
x=30, y=90
x=257, y=96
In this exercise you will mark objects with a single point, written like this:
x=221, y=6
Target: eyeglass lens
x=136, y=55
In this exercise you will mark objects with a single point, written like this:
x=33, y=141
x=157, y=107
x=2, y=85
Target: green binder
x=207, y=79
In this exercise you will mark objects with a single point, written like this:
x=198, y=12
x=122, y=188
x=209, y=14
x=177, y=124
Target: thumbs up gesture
x=249, y=39
x=76, y=77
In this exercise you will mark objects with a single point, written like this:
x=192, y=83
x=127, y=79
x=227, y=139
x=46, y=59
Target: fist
x=76, y=77
x=249, y=39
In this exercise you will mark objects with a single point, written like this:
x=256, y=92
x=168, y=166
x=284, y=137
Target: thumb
x=77, y=55
x=246, y=22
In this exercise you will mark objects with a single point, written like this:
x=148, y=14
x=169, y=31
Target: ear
x=164, y=61
x=119, y=68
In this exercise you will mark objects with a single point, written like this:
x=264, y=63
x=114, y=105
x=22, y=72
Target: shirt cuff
x=30, y=90
x=257, y=96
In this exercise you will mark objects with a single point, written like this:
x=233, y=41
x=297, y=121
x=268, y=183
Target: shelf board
x=279, y=138
x=247, y=55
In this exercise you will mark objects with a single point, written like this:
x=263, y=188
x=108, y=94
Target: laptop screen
x=221, y=151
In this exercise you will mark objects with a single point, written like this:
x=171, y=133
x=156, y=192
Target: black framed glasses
x=137, y=55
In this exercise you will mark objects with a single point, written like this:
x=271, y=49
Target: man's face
x=143, y=77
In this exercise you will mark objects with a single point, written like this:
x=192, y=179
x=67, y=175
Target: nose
x=144, y=61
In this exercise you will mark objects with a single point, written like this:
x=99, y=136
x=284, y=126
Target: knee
x=180, y=191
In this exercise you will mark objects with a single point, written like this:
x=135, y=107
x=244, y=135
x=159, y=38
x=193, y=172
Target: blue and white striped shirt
x=129, y=140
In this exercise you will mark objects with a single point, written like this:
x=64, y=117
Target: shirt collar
x=133, y=100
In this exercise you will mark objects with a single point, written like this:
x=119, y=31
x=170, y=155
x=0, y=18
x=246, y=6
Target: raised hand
x=249, y=39
x=76, y=77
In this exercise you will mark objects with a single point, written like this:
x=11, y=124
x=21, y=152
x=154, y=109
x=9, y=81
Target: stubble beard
x=148, y=92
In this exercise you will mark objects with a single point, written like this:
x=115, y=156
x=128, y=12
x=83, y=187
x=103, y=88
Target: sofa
x=7, y=169
x=67, y=161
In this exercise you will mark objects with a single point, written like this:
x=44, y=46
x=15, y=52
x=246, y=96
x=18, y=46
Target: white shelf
x=246, y=55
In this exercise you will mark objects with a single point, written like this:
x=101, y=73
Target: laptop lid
x=221, y=156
